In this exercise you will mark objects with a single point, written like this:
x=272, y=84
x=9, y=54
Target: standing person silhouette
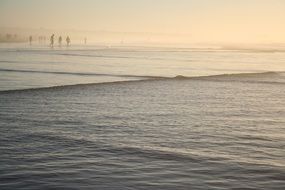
x=67, y=41
x=52, y=40
x=85, y=41
x=31, y=39
x=59, y=41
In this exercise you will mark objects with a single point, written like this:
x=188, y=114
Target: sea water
x=23, y=66
x=141, y=118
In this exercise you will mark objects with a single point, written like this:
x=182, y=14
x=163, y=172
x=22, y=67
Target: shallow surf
x=23, y=67
x=151, y=134
x=117, y=123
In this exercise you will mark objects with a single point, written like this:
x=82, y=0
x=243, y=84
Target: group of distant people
x=68, y=41
x=52, y=40
x=41, y=39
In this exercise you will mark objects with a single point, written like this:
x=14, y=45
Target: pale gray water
x=22, y=66
x=219, y=132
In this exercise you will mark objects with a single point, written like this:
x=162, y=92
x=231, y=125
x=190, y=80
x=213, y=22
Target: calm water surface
x=215, y=132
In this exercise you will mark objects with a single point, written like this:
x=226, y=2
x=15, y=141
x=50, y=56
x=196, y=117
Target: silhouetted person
x=31, y=39
x=52, y=40
x=59, y=41
x=85, y=41
x=67, y=40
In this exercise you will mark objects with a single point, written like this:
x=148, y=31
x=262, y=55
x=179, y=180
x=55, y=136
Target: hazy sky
x=198, y=20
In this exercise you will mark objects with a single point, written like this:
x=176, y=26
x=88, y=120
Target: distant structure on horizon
x=12, y=38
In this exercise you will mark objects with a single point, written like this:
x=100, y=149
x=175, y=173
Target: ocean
x=118, y=117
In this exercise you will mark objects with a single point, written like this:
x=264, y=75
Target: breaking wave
x=263, y=78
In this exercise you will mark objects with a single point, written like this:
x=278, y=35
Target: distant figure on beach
x=85, y=41
x=31, y=39
x=67, y=40
x=52, y=40
x=59, y=41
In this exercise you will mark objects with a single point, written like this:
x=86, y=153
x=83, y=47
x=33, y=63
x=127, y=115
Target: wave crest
x=269, y=77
